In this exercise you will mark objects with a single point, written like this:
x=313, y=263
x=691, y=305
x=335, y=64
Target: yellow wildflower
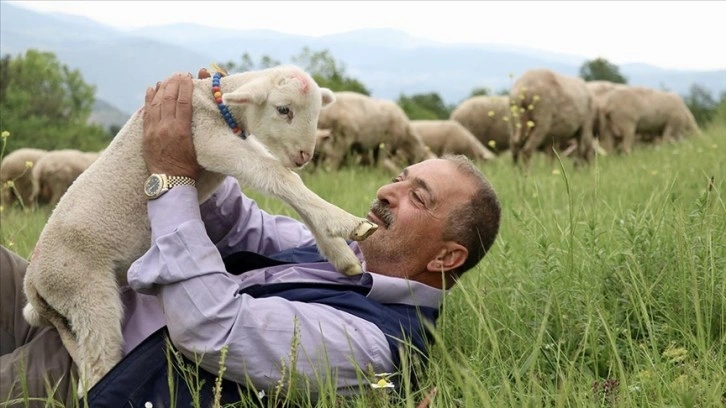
x=530, y=106
x=675, y=354
x=28, y=164
x=555, y=172
x=530, y=124
x=5, y=134
x=506, y=118
x=492, y=144
x=9, y=184
x=491, y=114
x=518, y=125
x=535, y=98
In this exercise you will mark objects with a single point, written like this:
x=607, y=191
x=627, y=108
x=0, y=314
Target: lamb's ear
x=254, y=92
x=327, y=95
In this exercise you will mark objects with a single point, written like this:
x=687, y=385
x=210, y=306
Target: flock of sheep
x=544, y=109
x=37, y=176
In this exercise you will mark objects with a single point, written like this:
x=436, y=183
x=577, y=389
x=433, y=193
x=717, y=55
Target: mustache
x=382, y=211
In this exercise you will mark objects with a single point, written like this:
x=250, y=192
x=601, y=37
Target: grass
x=606, y=286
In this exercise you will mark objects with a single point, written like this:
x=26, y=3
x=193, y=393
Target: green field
x=606, y=286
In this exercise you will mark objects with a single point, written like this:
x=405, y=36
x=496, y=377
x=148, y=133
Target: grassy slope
x=605, y=286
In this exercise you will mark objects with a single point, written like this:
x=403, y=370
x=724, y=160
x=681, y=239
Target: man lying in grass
x=230, y=283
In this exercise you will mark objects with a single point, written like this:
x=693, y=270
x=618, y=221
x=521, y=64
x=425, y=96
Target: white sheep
x=55, y=171
x=100, y=226
x=17, y=167
x=450, y=136
x=488, y=118
x=360, y=123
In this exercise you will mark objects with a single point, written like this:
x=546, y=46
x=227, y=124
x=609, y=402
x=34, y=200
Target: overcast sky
x=669, y=34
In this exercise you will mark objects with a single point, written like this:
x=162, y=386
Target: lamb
x=17, y=167
x=55, y=172
x=450, y=136
x=100, y=226
x=360, y=122
x=551, y=110
x=487, y=118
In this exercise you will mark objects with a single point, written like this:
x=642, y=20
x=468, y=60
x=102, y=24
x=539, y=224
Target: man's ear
x=452, y=256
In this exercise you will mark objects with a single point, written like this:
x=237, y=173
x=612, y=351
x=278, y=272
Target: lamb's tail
x=47, y=316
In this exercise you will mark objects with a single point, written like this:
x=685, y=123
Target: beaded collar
x=223, y=109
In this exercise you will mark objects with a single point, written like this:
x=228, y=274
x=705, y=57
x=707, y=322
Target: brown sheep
x=17, y=167
x=551, y=111
x=56, y=171
x=360, y=123
x=487, y=118
x=450, y=136
x=634, y=111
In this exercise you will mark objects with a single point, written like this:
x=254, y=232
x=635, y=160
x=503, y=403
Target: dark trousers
x=33, y=361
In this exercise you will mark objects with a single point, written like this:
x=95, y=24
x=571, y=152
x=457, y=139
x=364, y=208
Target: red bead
x=218, y=100
x=215, y=88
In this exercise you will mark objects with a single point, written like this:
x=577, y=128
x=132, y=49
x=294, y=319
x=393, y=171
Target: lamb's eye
x=283, y=110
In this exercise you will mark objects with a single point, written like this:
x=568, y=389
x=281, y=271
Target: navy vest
x=143, y=375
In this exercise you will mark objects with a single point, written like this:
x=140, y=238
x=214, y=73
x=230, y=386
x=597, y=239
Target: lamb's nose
x=305, y=156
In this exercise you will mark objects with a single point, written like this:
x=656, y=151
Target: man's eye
x=283, y=110
x=417, y=198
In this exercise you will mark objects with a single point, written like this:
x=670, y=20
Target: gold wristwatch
x=158, y=184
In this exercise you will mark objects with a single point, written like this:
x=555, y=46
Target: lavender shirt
x=181, y=282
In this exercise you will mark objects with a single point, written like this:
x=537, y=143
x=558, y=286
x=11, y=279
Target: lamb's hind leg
x=88, y=298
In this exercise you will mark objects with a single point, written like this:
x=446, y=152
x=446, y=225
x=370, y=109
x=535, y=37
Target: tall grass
x=606, y=286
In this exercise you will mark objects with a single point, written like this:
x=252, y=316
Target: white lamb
x=100, y=226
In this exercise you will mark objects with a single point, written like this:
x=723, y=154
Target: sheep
x=640, y=113
x=551, y=110
x=450, y=136
x=360, y=122
x=17, y=167
x=100, y=226
x=487, y=118
x=55, y=172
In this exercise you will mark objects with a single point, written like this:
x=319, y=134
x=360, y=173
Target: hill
x=389, y=62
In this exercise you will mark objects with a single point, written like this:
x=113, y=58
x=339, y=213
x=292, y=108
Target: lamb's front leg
x=330, y=225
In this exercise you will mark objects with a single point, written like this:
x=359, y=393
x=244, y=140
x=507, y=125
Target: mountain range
x=121, y=64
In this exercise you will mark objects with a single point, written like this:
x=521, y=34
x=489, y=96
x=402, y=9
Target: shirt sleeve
x=204, y=312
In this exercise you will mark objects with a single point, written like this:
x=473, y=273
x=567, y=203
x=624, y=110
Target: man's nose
x=388, y=194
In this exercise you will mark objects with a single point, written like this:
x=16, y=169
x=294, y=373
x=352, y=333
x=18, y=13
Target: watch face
x=153, y=185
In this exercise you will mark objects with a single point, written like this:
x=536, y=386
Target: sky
x=668, y=34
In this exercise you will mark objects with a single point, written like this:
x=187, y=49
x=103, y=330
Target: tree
x=701, y=104
x=424, y=106
x=601, y=69
x=46, y=105
x=328, y=72
x=248, y=64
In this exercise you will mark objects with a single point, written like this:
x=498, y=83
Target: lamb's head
x=282, y=106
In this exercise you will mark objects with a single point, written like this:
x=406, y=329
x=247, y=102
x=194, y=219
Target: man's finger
x=184, y=100
x=203, y=74
x=148, y=111
x=170, y=89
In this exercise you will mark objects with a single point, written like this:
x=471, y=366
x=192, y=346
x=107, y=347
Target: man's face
x=411, y=213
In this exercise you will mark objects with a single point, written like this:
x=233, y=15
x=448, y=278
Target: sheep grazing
x=450, y=136
x=630, y=114
x=360, y=123
x=487, y=118
x=17, y=167
x=53, y=173
x=551, y=110
x=100, y=226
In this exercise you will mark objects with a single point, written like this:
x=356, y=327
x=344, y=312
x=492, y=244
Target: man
x=232, y=282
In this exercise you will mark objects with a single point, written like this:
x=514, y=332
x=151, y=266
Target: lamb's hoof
x=353, y=270
x=363, y=231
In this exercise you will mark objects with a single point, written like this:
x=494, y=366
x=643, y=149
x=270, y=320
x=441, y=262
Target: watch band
x=180, y=181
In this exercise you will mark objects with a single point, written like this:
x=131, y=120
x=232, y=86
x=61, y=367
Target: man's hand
x=167, y=143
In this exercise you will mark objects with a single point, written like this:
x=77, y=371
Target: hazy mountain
x=121, y=64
